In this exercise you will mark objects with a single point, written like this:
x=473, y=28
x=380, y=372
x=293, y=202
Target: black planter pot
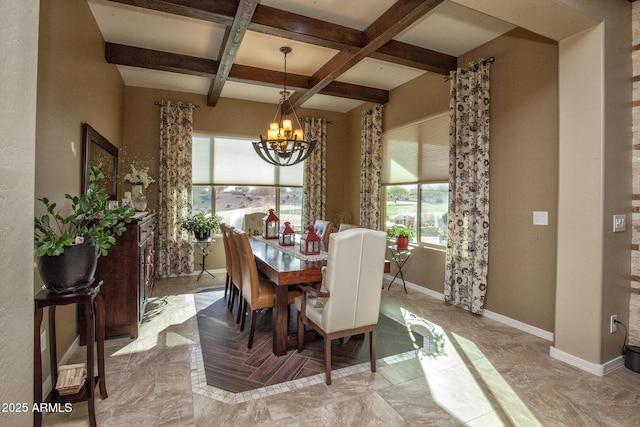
x=202, y=236
x=70, y=271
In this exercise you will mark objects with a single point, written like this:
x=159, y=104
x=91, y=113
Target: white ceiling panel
x=331, y=103
x=357, y=14
x=453, y=29
x=379, y=74
x=149, y=29
x=251, y=92
x=263, y=51
x=155, y=79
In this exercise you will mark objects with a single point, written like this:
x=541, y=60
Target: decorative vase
x=138, y=199
x=402, y=242
x=203, y=235
x=70, y=271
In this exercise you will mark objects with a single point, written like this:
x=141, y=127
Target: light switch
x=540, y=218
x=619, y=223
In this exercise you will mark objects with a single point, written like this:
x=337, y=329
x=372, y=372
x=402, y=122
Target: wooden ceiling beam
x=219, y=11
x=399, y=16
x=280, y=23
x=231, y=43
x=164, y=61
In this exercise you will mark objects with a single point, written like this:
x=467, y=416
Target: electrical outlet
x=613, y=326
x=43, y=341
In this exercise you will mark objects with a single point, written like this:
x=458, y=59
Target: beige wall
x=595, y=94
x=75, y=85
x=524, y=175
x=18, y=74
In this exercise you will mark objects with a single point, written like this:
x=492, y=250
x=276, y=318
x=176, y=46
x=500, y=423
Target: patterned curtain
x=314, y=185
x=371, y=167
x=467, y=257
x=174, y=249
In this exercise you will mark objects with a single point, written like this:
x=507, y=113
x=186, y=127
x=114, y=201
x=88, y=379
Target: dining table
x=285, y=266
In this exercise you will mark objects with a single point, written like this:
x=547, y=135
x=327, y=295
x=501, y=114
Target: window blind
x=417, y=152
x=233, y=161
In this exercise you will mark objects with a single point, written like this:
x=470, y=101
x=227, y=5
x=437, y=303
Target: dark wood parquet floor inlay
x=229, y=365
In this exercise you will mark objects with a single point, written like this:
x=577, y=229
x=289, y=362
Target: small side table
x=400, y=256
x=204, y=245
x=93, y=304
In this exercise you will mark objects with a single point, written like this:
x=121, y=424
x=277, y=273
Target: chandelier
x=284, y=145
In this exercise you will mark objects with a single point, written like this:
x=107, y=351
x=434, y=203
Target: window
x=230, y=179
x=415, y=175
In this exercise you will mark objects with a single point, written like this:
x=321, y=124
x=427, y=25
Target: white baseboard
x=540, y=333
x=593, y=368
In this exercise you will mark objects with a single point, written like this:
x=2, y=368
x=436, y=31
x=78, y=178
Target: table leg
x=100, y=332
x=280, y=309
x=89, y=385
x=37, y=369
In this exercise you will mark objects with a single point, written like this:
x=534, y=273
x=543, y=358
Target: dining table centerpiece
x=69, y=240
x=201, y=223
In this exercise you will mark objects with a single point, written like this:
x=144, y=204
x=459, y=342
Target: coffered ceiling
x=344, y=52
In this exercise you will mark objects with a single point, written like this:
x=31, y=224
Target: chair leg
x=240, y=301
x=372, y=349
x=226, y=285
x=327, y=360
x=252, y=327
x=300, y=333
x=244, y=315
x=232, y=297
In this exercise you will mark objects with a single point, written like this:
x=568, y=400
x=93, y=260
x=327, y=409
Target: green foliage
x=201, y=222
x=89, y=221
x=399, y=231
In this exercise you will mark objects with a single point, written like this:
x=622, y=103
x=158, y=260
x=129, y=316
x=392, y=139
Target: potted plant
x=402, y=235
x=201, y=223
x=68, y=246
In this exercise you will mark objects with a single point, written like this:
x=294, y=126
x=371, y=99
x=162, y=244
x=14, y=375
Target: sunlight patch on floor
x=157, y=324
x=461, y=379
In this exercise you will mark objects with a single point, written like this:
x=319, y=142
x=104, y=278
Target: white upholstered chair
x=323, y=229
x=252, y=223
x=348, y=303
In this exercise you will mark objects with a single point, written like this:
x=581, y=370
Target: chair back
x=355, y=269
x=249, y=271
x=323, y=230
x=345, y=227
x=252, y=224
x=227, y=252
x=236, y=271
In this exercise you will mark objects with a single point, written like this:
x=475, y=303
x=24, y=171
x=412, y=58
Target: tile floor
x=471, y=371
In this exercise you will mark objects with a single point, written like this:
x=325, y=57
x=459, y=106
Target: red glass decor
x=270, y=225
x=287, y=235
x=310, y=242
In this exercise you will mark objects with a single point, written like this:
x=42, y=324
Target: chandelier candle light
x=284, y=145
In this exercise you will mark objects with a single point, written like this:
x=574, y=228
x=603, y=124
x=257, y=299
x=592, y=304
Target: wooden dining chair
x=236, y=273
x=227, y=258
x=258, y=292
x=323, y=230
x=348, y=302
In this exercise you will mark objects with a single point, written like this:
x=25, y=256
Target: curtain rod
x=180, y=104
x=490, y=60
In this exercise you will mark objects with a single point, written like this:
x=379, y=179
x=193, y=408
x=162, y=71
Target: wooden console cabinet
x=128, y=272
